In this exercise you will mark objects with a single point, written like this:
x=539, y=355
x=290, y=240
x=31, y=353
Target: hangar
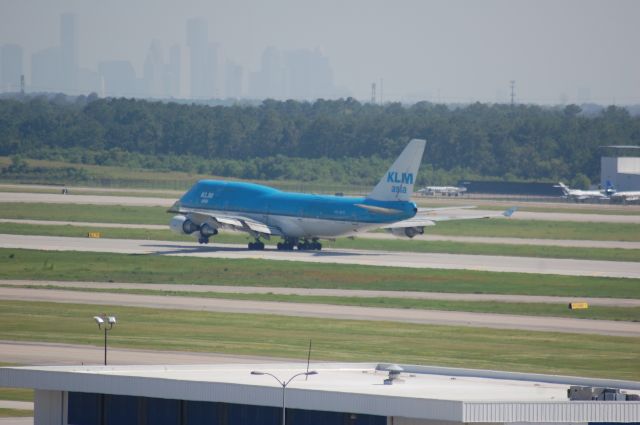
x=339, y=393
x=621, y=169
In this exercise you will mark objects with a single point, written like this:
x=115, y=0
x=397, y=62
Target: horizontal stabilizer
x=379, y=210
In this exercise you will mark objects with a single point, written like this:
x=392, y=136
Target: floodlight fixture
x=284, y=384
x=100, y=320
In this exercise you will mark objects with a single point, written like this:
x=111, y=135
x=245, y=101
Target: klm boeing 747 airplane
x=302, y=220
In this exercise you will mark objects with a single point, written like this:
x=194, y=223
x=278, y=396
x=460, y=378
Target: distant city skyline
x=300, y=74
x=457, y=51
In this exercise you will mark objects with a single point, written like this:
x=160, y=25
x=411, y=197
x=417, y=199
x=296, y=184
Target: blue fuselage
x=296, y=214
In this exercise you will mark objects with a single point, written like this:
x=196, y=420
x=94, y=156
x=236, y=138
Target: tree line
x=342, y=139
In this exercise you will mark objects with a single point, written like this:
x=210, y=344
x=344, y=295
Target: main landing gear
x=258, y=245
x=305, y=245
x=206, y=231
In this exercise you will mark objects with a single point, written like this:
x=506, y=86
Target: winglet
x=397, y=183
x=510, y=211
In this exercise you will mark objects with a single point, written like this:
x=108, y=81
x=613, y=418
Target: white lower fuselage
x=305, y=227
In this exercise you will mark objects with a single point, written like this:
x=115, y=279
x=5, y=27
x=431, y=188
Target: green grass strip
x=629, y=314
x=16, y=394
x=398, y=245
x=89, y=213
x=539, y=229
x=564, y=208
x=15, y=413
x=497, y=228
x=56, y=190
x=335, y=340
x=106, y=267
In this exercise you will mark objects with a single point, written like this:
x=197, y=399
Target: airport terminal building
x=342, y=394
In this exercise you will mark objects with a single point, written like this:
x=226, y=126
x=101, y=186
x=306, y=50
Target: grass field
x=89, y=213
x=400, y=245
x=15, y=413
x=288, y=337
x=630, y=314
x=568, y=208
x=498, y=227
x=104, y=267
x=16, y=394
x=558, y=206
x=126, y=177
x=169, y=194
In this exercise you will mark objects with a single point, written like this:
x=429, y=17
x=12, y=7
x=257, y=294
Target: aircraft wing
x=429, y=217
x=437, y=214
x=232, y=222
x=427, y=210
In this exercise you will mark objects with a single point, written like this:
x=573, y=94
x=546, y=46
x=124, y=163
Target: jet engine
x=408, y=232
x=182, y=225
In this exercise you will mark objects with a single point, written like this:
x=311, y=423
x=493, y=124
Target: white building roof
x=447, y=394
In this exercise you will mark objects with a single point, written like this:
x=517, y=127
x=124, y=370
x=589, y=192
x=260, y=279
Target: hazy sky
x=455, y=51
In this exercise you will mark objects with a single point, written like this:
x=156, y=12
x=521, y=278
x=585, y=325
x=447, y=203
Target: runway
x=346, y=293
x=374, y=235
x=327, y=311
x=568, y=267
x=167, y=202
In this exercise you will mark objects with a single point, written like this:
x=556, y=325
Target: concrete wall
x=49, y=408
x=622, y=172
x=397, y=420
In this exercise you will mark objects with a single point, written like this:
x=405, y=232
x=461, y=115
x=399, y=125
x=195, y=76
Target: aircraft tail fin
x=397, y=183
x=610, y=189
x=565, y=189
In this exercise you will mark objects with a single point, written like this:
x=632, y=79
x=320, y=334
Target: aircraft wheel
x=279, y=246
x=318, y=246
x=259, y=246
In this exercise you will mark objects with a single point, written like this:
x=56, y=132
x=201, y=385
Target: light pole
x=283, y=384
x=100, y=320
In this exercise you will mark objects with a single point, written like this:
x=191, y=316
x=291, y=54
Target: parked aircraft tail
x=397, y=183
x=565, y=189
x=609, y=189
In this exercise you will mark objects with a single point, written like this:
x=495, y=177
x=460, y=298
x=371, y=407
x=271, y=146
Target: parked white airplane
x=582, y=195
x=442, y=190
x=301, y=220
x=626, y=196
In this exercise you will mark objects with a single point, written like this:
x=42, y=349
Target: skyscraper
x=118, y=78
x=68, y=49
x=308, y=75
x=269, y=81
x=172, y=75
x=213, y=71
x=198, y=40
x=46, y=70
x=11, y=68
x=154, y=71
x=233, y=80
